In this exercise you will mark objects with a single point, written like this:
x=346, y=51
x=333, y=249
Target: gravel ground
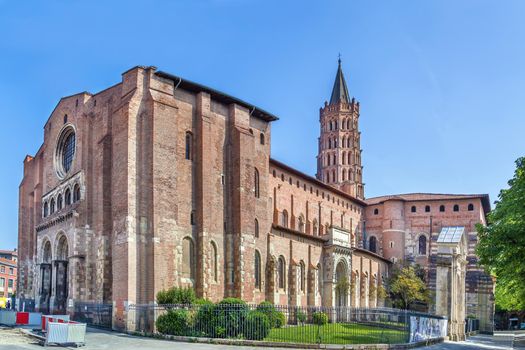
x=14, y=336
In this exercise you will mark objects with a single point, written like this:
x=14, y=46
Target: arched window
x=281, y=272
x=372, y=245
x=52, y=206
x=344, y=174
x=333, y=174
x=456, y=207
x=442, y=208
x=189, y=146
x=422, y=245
x=301, y=223
x=76, y=193
x=336, y=125
x=315, y=228
x=214, y=262
x=284, y=218
x=62, y=252
x=256, y=228
x=46, y=209
x=261, y=138
x=46, y=256
x=256, y=183
x=68, y=197
x=302, y=275
x=470, y=207
x=427, y=208
x=413, y=209
x=344, y=158
x=257, y=270
x=188, y=258
x=376, y=211
x=59, y=202
x=328, y=160
x=329, y=143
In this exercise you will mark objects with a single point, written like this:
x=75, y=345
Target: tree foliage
x=406, y=286
x=501, y=246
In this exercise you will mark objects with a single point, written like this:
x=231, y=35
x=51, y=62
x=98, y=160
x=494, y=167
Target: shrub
x=229, y=317
x=176, y=295
x=174, y=322
x=205, y=318
x=276, y=318
x=319, y=318
x=256, y=326
x=301, y=316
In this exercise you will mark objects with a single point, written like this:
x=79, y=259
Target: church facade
x=158, y=182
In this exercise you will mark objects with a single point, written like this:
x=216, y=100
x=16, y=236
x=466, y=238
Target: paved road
x=102, y=340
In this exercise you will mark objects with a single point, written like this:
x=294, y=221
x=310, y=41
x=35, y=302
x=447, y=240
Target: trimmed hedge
x=276, y=318
x=256, y=326
x=229, y=317
x=319, y=318
x=174, y=322
x=176, y=295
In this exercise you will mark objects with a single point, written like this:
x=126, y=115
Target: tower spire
x=339, y=91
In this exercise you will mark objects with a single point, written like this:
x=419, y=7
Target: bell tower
x=339, y=156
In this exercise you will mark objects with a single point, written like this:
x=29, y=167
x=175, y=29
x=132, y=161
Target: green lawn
x=337, y=333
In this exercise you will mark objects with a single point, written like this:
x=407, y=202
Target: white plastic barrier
x=65, y=333
x=53, y=318
x=7, y=317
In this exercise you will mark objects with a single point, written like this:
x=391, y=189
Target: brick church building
x=158, y=181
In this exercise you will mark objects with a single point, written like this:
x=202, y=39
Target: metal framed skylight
x=451, y=234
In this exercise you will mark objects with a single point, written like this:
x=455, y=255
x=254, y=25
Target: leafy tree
x=406, y=287
x=501, y=246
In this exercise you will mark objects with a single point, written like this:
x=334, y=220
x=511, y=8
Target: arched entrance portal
x=342, y=285
x=61, y=286
x=46, y=277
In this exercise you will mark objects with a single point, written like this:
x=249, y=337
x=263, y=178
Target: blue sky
x=441, y=83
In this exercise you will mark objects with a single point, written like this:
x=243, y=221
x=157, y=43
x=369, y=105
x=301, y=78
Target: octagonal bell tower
x=339, y=156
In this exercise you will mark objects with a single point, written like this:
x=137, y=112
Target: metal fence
x=94, y=314
x=286, y=324
x=471, y=325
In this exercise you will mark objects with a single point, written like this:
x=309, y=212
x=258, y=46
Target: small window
x=60, y=203
x=257, y=267
x=261, y=138
x=256, y=228
x=192, y=217
x=68, y=197
x=46, y=209
x=422, y=245
x=189, y=146
x=65, y=118
x=372, y=245
x=456, y=207
x=76, y=193
x=427, y=208
x=413, y=209
x=214, y=262
x=376, y=211
x=302, y=276
x=281, y=271
x=284, y=218
x=274, y=173
x=391, y=244
x=441, y=208
x=256, y=183
x=470, y=207
x=52, y=206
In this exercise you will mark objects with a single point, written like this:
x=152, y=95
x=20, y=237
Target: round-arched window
x=65, y=151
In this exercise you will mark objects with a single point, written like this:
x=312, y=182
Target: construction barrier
x=15, y=318
x=53, y=318
x=71, y=332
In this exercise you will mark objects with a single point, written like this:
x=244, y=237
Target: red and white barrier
x=53, y=318
x=15, y=318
